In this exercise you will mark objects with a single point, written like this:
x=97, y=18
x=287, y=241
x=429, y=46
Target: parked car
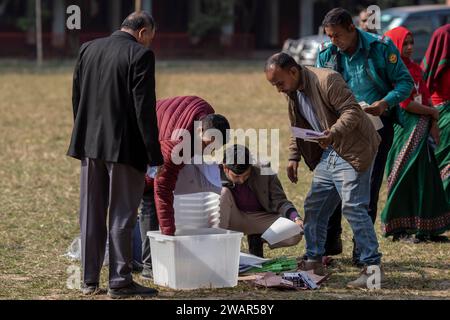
x=305, y=50
x=420, y=20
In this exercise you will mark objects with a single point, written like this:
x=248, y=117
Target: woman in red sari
x=416, y=202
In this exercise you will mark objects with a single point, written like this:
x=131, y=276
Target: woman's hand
x=434, y=132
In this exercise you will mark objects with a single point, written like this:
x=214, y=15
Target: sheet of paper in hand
x=306, y=134
x=280, y=230
x=376, y=121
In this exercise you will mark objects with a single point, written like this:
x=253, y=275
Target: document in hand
x=306, y=134
x=376, y=121
x=280, y=230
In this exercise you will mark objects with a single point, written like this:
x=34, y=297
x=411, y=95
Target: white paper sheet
x=306, y=134
x=376, y=121
x=251, y=260
x=280, y=230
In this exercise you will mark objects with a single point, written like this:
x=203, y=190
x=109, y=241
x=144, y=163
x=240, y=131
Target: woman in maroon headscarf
x=416, y=202
x=436, y=66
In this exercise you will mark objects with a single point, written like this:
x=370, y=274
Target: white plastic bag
x=74, y=251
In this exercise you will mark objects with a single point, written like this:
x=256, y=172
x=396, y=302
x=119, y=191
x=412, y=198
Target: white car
x=304, y=50
x=420, y=20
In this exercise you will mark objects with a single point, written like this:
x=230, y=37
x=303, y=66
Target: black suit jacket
x=114, y=103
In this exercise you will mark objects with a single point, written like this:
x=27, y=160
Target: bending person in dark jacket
x=251, y=202
x=176, y=122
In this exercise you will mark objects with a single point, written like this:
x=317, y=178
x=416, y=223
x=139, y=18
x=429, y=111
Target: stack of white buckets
x=197, y=210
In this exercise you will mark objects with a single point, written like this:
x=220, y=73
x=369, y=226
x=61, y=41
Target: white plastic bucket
x=196, y=210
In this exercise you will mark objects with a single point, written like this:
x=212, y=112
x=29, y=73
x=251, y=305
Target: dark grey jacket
x=268, y=191
x=114, y=103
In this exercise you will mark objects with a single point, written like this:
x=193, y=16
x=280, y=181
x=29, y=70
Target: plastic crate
x=200, y=258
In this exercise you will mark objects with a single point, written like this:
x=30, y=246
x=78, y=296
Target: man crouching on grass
x=251, y=201
x=342, y=160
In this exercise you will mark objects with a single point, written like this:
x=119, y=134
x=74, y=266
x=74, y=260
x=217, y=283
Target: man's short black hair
x=218, y=122
x=237, y=158
x=138, y=20
x=337, y=17
x=281, y=60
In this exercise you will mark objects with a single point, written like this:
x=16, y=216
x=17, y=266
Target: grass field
x=39, y=186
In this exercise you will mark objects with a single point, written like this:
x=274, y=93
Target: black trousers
x=376, y=180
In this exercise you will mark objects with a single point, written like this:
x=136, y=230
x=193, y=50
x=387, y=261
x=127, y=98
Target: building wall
x=258, y=24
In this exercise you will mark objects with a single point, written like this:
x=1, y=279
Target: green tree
x=213, y=15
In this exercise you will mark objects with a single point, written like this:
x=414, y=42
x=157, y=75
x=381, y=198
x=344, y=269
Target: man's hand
x=377, y=108
x=299, y=222
x=158, y=170
x=326, y=140
x=292, y=169
x=434, y=132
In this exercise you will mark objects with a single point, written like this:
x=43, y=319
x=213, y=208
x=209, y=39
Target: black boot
x=255, y=245
x=333, y=245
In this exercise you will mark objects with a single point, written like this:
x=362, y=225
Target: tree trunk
x=40, y=54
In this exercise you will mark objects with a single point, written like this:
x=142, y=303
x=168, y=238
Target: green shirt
x=374, y=72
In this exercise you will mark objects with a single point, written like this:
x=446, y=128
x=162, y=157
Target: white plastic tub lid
x=196, y=232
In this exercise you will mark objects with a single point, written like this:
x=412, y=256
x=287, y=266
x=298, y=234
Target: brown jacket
x=354, y=137
x=268, y=191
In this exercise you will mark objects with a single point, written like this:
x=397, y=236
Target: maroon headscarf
x=437, y=57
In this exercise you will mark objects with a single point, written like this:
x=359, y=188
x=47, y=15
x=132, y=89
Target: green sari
x=442, y=151
x=416, y=201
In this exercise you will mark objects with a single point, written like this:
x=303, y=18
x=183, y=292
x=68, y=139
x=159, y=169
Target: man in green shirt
x=372, y=67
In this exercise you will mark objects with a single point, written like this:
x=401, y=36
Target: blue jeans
x=148, y=221
x=335, y=180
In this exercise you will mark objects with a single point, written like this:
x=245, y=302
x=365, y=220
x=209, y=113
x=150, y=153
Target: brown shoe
x=316, y=266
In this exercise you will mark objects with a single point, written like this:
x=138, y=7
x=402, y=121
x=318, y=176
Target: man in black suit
x=115, y=136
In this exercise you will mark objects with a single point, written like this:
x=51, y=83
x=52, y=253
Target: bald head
x=138, y=20
x=283, y=72
x=281, y=60
x=141, y=25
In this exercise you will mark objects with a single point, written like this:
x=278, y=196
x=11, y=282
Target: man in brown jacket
x=251, y=202
x=342, y=158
